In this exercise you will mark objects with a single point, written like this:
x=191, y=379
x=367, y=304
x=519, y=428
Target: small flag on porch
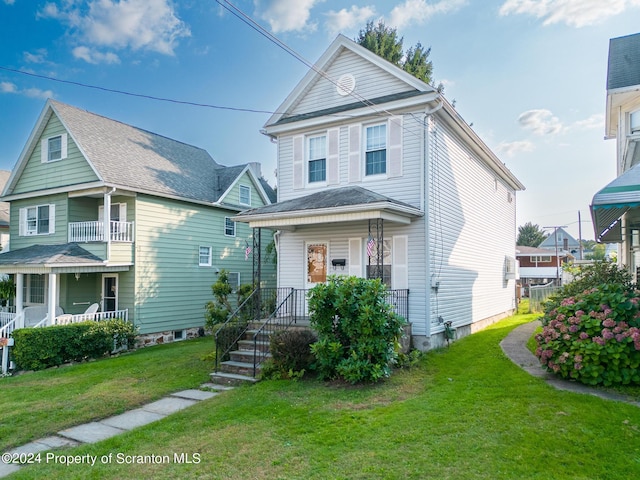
x=370, y=246
x=247, y=250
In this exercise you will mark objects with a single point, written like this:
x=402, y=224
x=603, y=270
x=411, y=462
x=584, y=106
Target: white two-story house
x=378, y=176
x=616, y=208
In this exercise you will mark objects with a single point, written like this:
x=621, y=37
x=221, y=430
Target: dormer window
x=54, y=148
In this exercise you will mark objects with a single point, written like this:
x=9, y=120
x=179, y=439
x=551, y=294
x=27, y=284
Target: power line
x=131, y=94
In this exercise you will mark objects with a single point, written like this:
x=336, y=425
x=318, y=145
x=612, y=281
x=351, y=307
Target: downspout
x=425, y=193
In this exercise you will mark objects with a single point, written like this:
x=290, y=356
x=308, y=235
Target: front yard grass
x=466, y=412
x=38, y=404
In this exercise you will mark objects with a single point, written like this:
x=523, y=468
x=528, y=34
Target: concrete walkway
x=109, y=427
x=515, y=347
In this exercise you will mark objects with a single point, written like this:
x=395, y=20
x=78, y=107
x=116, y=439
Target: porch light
x=77, y=275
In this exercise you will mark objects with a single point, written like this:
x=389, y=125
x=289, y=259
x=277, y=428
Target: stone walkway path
x=515, y=347
x=109, y=427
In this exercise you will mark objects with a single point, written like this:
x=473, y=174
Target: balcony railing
x=94, y=232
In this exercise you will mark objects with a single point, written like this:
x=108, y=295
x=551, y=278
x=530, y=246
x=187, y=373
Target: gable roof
x=562, y=234
x=132, y=158
x=317, y=73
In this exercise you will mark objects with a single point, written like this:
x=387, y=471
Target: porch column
x=20, y=298
x=107, y=221
x=53, y=298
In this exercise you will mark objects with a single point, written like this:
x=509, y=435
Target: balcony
x=81, y=232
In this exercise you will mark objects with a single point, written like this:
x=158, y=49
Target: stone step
x=248, y=345
x=239, y=368
x=216, y=387
x=247, y=356
x=231, y=379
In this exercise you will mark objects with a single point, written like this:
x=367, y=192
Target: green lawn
x=467, y=412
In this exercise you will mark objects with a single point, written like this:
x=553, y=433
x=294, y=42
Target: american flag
x=247, y=251
x=370, y=246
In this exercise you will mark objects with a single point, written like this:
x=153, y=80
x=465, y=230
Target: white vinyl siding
x=465, y=207
x=355, y=257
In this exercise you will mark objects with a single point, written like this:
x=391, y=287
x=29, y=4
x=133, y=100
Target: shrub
x=218, y=310
x=38, y=348
x=227, y=337
x=594, y=336
x=291, y=354
x=358, y=331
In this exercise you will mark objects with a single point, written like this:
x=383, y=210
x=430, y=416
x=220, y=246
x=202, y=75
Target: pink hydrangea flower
x=609, y=322
x=598, y=340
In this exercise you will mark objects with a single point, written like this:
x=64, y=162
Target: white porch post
x=53, y=298
x=107, y=221
x=20, y=298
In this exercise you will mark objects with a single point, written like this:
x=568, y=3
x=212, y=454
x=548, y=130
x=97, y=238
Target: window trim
x=309, y=159
x=23, y=220
x=46, y=152
x=247, y=188
x=366, y=150
x=209, y=256
x=228, y=219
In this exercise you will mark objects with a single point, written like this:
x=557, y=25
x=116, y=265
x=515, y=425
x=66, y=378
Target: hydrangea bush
x=593, y=336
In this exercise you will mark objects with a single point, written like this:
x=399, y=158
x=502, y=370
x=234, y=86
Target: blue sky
x=530, y=75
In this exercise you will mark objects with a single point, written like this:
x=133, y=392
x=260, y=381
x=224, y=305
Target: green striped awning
x=612, y=202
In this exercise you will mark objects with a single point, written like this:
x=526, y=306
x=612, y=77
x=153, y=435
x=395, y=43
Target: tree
x=384, y=42
x=530, y=235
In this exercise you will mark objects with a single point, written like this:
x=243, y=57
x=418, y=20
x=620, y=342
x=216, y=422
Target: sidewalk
x=515, y=347
x=109, y=427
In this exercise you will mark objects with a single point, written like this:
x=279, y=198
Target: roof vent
x=346, y=84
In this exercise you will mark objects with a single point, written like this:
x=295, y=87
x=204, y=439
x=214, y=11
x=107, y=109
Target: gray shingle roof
x=333, y=198
x=141, y=160
x=624, y=62
x=68, y=253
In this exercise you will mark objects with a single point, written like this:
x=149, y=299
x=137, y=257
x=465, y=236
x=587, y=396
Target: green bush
x=357, y=330
x=226, y=337
x=291, y=354
x=38, y=348
x=593, y=336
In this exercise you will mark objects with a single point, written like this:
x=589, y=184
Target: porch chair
x=91, y=311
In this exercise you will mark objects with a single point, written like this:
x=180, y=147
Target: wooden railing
x=94, y=232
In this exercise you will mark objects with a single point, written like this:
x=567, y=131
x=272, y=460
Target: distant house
x=380, y=177
x=4, y=213
x=563, y=241
x=109, y=214
x=540, y=266
x=615, y=209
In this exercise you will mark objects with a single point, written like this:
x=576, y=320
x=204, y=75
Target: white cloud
x=8, y=87
x=513, y=148
x=540, y=122
x=93, y=56
x=134, y=24
x=344, y=19
x=594, y=121
x=9, y=2
x=39, y=56
x=575, y=13
x=286, y=15
x=419, y=11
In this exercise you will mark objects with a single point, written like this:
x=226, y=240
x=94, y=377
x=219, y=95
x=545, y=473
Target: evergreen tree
x=530, y=235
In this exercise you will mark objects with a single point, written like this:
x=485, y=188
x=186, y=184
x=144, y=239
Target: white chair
x=91, y=311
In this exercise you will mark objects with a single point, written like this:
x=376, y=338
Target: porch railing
x=93, y=231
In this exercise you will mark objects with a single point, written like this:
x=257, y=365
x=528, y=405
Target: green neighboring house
x=103, y=212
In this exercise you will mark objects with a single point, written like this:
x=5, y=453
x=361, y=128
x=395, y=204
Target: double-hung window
x=229, y=227
x=317, y=158
x=204, y=255
x=376, y=149
x=245, y=195
x=36, y=220
x=54, y=148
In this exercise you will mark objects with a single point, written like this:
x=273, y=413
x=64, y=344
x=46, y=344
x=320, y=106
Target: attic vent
x=345, y=85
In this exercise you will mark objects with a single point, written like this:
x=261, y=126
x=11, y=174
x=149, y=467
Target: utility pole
x=555, y=237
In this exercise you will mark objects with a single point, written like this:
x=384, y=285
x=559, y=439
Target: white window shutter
x=123, y=212
x=52, y=218
x=63, y=143
x=44, y=150
x=395, y=147
x=22, y=227
x=298, y=162
x=333, y=156
x=400, y=262
x=355, y=257
x=355, y=156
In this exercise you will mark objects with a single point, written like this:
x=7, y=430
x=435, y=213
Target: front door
x=316, y=263
x=109, y=293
